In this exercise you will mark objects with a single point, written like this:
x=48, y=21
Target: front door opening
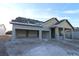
x=52, y=32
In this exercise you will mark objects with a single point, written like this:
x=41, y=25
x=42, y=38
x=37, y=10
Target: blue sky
x=41, y=11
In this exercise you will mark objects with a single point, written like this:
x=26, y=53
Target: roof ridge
x=52, y=18
x=59, y=22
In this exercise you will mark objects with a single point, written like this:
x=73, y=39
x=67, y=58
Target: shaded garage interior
x=45, y=34
x=21, y=33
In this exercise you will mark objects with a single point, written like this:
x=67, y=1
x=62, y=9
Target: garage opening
x=45, y=34
x=21, y=33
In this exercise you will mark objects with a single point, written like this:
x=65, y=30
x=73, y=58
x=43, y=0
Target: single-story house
x=2, y=29
x=52, y=28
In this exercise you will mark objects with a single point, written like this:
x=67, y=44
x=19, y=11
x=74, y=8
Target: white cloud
x=7, y=14
x=71, y=11
x=38, y=13
x=63, y=17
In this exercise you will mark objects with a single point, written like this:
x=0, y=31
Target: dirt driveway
x=49, y=48
x=3, y=40
x=28, y=48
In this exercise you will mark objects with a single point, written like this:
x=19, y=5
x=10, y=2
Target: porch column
x=50, y=35
x=13, y=33
x=63, y=33
x=40, y=34
x=56, y=33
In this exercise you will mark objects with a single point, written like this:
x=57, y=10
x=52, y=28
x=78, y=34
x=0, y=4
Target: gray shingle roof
x=26, y=20
x=36, y=22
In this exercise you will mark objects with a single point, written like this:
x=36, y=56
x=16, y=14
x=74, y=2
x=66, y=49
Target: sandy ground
x=3, y=40
x=46, y=50
x=49, y=48
x=3, y=50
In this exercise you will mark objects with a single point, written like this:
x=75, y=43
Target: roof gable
x=64, y=23
x=50, y=22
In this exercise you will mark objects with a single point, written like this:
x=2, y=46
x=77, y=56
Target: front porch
x=61, y=33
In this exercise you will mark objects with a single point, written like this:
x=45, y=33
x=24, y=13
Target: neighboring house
x=76, y=33
x=76, y=29
x=52, y=28
x=2, y=29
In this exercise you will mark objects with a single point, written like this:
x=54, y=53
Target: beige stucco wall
x=49, y=23
x=30, y=27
